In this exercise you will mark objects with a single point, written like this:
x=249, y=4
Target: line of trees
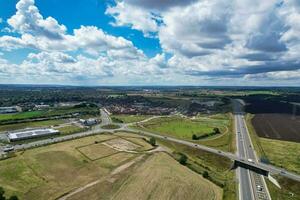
x=215, y=132
x=2, y=197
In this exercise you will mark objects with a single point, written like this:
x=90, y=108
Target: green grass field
x=110, y=126
x=282, y=153
x=224, y=142
x=183, y=128
x=289, y=189
x=21, y=115
x=129, y=118
x=16, y=126
x=70, y=129
x=178, y=127
x=46, y=113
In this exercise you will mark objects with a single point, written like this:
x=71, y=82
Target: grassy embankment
x=282, y=154
x=70, y=129
x=110, y=126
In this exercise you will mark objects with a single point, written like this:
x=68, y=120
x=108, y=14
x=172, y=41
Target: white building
x=31, y=133
x=89, y=122
x=41, y=106
x=12, y=109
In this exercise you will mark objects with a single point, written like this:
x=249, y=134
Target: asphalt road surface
x=251, y=185
x=105, y=119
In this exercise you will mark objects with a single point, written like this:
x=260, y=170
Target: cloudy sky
x=150, y=42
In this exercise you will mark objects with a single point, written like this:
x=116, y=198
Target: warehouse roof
x=31, y=133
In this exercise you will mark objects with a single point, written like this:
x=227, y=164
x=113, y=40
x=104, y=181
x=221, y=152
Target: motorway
x=105, y=119
x=251, y=185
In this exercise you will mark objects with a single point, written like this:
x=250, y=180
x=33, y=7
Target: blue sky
x=141, y=42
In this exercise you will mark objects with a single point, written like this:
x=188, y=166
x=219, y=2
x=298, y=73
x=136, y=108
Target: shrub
x=183, y=159
x=152, y=141
x=205, y=174
x=195, y=137
x=217, y=131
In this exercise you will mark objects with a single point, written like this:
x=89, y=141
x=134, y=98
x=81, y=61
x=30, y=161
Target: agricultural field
x=163, y=178
x=121, y=144
x=275, y=116
x=156, y=176
x=282, y=154
x=218, y=168
x=96, y=151
x=129, y=118
x=97, y=165
x=277, y=126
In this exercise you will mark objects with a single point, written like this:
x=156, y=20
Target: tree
x=205, y=174
x=152, y=141
x=2, y=197
x=216, y=130
x=14, y=197
x=264, y=159
x=183, y=159
x=195, y=137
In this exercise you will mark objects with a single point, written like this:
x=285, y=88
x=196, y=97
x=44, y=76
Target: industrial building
x=13, y=109
x=31, y=133
x=89, y=122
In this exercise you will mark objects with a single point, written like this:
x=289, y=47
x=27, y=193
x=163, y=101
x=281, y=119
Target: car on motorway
x=282, y=172
x=250, y=160
x=219, y=151
x=259, y=187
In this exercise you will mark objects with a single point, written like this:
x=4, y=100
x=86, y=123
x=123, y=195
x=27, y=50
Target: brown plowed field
x=277, y=126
